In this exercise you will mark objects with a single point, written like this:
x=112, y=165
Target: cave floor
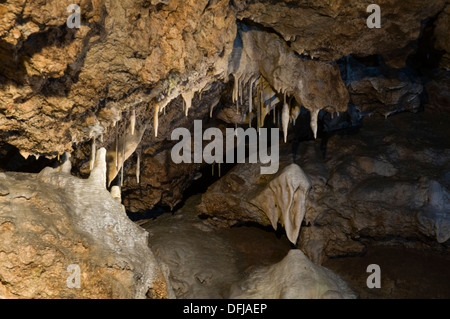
x=208, y=259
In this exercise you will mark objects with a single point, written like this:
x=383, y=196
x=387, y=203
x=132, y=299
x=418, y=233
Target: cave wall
x=62, y=87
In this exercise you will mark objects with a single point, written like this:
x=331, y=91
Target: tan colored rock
x=52, y=220
x=329, y=30
x=295, y=277
x=245, y=195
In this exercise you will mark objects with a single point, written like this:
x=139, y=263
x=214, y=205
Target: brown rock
x=52, y=220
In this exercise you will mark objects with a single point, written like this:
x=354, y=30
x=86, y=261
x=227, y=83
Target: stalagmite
x=93, y=150
x=98, y=174
x=314, y=120
x=66, y=166
x=285, y=118
x=133, y=121
x=116, y=193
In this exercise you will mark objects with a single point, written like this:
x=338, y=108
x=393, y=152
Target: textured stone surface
x=245, y=195
x=329, y=30
x=442, y=36
x=381, y=89
x=69, y=81
x=295, y=277
x=388, y=182
x=51, y=220
x=206, y=261
x=61, y=87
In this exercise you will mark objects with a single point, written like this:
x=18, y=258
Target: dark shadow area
x=12, y=161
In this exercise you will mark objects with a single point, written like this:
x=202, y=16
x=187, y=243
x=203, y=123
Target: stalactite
x=156, y=120
x=295, y=112
x=123, y=164
x=274, y=114
x=314, y=120
x=258, y=109
x=264, y=112
x=187, y=97
x=138, y=167
x=133, y=121
x=93, y=150
x=235, y=91
x=239, y=95
x=285, y=118
x=219, y=170
x=250, y=103
x=117, y=147
x=127, y=146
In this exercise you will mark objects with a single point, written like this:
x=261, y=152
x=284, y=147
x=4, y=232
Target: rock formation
x=53, y=220
x=244, y=195
x=295, y=277
x=352, y=169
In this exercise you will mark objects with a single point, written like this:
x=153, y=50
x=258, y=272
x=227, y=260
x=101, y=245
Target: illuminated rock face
x=53, y=220
x=136, y=70
x=63, y=87
x=245, y=195
x=295, y=277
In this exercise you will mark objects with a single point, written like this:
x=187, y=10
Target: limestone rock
x=245, y=195
x=331, y=30
x=384, y=183
x=295, y=277
x=382, y=90
x=442, y=37
x=52, y=220
x=315, y=85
